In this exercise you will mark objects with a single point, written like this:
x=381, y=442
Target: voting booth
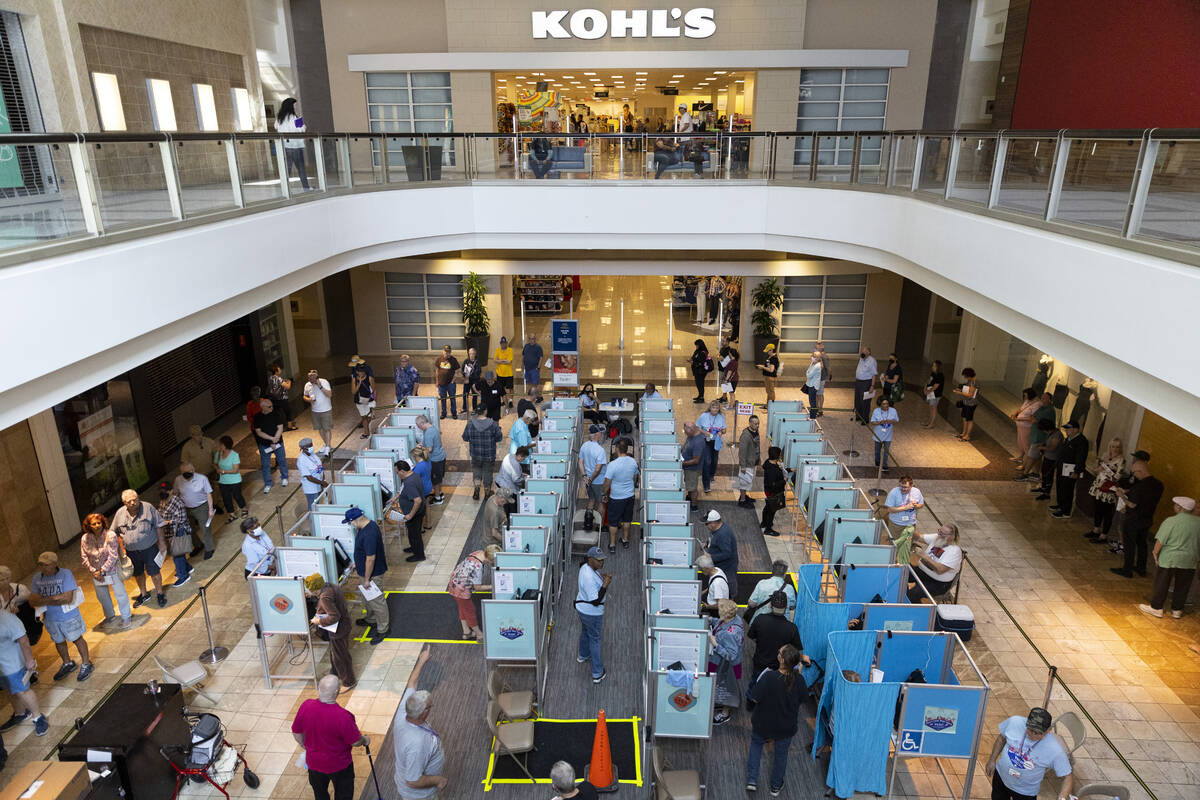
x=279, y=607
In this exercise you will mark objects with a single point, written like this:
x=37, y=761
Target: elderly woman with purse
x=102, y=553
x=466, y=579
x=178, y=532
x=726, y=638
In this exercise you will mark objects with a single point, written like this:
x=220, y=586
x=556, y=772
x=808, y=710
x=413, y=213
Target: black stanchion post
x=214, y=654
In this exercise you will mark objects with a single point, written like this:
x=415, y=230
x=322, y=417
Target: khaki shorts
x=691, y=479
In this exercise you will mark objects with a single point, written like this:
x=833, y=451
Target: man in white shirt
x=683, y=121
x=319, y=397
x=865, y=375
x=651, y=393
x=312, y=472
x=418, y=749
x=196, y=493
x=592, y=460
x=589, y=604
x=1023, y=752
x=718, y=584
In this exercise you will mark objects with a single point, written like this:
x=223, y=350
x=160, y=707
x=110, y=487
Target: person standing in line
x=882, y=420
x=288, y=120
x=504, y=367
x=826, y=377
x=370, y=562
x=716, y=292
x=328, y=733
x=257, y=549
x=775, y=487
x=935, y=384
x=1024, y=419
x=969, y=392
x=779, y=692
x=620, y=485
x=268, y=434
x=229, y=477
x=531, y=361
x=444, y=370
x=253, y=407
x=733, y=308
x=814, y=387
x=1052, y=450
x=196, y=493
x=141, y=529
x=410, y=500
x=482, y=434
x=319, y=396
x=1176, y=551
x=1073, y=461
x=362, y=389
x=52, y=588
x=712, y=422
x=901, y=506
x=468, y=578
x=201, y=452
x=491, y=395
x=1110, y=471
x=100, y=551
x=1139, y=494
x=529, y=403
x=589, y=604
x=749, y=455
x=730, y=359
x=418, y=749
x=518, y=434
x=722, y=548
x=331, y=610
x=472, y=371
x=893, y=380
x=593, y=458
x=866, y=373
x=779, y=581
x=692, y=455
x=277, y=389
x=726, y=639
x=407, y=379
x=173, y=512
x=701, y=365
x=770, y=370
x=431, y=440
x=1022, y=754
x=16, y=665
x=1044, y=413
x=312, y=472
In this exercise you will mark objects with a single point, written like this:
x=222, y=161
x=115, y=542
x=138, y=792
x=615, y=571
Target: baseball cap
x=1140, y=455
x=778, y=600
x=1071, y=424
x=596, y=553
x=1038, y=721
x=713, y=516
x=595, y=428
x=351, y=515
x=770, y=348
x=48, y=557
x=306, y=442
x=1186, y=503
x=355, y=361
x=504, y=338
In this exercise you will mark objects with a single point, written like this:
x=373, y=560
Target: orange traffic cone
x=601, y=772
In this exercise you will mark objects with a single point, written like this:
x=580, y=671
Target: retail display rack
x=543, y=294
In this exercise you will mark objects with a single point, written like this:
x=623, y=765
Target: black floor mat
x=571, y=741
x=424, y=617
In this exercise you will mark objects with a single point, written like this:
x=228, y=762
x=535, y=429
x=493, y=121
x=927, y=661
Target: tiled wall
x=26, y=527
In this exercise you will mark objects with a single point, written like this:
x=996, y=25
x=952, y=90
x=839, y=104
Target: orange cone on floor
x=601, y=772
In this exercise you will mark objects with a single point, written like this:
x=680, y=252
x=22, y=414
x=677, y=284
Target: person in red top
x=252, y=407
x=328, y=732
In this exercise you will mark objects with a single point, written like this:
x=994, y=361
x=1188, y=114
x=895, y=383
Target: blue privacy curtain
x=861, y=715
x=816, y=620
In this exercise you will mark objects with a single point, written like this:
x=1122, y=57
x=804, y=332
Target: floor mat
x=424, y=617
x=752, y=549
x=571, y=741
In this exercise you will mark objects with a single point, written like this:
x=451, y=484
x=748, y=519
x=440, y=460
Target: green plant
x=766, y=298
x=475, y=313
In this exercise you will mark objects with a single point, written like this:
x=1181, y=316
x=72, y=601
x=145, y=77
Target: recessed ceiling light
x=672, y=81
x=589, y=73
x=639, y=73
x=711, y=78
x=719, y=71
x=531, y=83
x=677, y=76
x=618, y=76
x=568, y=76
x=520, y=77
x=501, y=80
x=739, y=81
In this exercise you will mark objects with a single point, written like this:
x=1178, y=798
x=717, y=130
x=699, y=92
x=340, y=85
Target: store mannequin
x=1041, y=378
x=1083, y=402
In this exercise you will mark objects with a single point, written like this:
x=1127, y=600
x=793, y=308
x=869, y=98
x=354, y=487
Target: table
x=131, y=726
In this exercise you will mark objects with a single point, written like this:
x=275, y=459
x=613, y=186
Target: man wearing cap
x=717, y=586
x=592, y=460
x=406, y=379
x=482, y=434
x=1071, y=463
x=201, y=452
x=770, y=370
x=319, y=397
x=196, y=493
x=504, y=367
x=1138, y=498
x=722, y=548
x=1176, y=551
x=312, y=472
x=865, y=375
x=692, y=454
x=370, y=561
x=589, y=603
x=1022, y=754
x=54, y=589
x=771, y=631
x=683, y=120
x=410, y=499
x=495, y=515
x=620, y=484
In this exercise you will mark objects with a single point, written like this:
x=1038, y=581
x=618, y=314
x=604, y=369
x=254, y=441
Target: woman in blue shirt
x=712, y=422
x=424, y=470
x=882, y=420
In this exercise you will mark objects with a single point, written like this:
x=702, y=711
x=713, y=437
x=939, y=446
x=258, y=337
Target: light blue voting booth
x=662, y=425
x=549, y=466
x=868, y=554
x=661, y=452
x=325, y=547
x=665, y=530
x=564, y=403
x=673, y=513
x=672, y=552
x=675, y=597
x=696, y=622
x=552, y=446
x=827, y=495
x=364, y=496
x=678, y=714
x=520, y=520
x=520, y=560
x=940, y=718
x=398, y=440
x=526, y=540
x=785, y=425
x=664, y=495
x=407, y=417
x=538, y=503
x=381, y=463
x=556, y=486
x=666, y=646
x=668, y=464
x=655, y=572
x=658, y=438
x=777, y=407
x=663, y=479
x=797, y=445
x=657, y=404
x=809, y=471
x=842, y=531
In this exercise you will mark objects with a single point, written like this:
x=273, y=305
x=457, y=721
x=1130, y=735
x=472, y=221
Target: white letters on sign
x=590, y=23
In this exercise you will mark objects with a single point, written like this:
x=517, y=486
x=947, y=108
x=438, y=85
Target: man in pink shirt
x=328, y=732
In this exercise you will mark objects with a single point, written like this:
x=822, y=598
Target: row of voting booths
x=915, y=691
x=678, y=691
x=528, y=574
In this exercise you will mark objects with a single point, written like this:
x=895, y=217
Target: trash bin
x=414, y=161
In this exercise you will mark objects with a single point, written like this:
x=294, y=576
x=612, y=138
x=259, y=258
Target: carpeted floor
x=424, y=617
x=571, y=741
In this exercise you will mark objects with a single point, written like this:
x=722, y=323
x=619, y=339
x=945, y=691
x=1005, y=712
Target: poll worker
x=328, y=733
x=418, y=749
x=936, y=559
x=370, y=562
x=54, y=589
x=593, y=458
x=650, y=392
x=589, y=604
x=257, y=548
x=1021, y=756
x=901, y=506
x=722, y=547
x=717, y=586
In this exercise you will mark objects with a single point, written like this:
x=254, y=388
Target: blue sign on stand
x=564, y=336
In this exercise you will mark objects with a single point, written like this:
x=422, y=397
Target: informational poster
x=98, y=440
x=510, y=630
x=537, y=471
x=678, y=598
x=295, y=562
x=663, y=479
x=671, y=513
x=134, y=463
x=556, y=405
x=656, y=405
x=564, y=347
x=512, y=541
x=566, y=370
x=502, y=582
x=526, y=504
x=550, y=424
x=685, y=647
x=659, y=426
x=544, y=448
x=397, y=444
x=812, y=472
x=673, y=552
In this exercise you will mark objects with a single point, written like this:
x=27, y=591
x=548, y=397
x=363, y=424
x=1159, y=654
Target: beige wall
x=370, y=311
x=26, y=524
x=881, y=312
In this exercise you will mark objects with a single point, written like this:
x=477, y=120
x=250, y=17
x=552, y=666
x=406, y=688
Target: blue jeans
x=590, y=627
x=310, y=499
x=450, y=390
x=779, y=765
x=264, y=456
x=812, y=402
x=182, y=567
x=708, y=464
x=882, y=447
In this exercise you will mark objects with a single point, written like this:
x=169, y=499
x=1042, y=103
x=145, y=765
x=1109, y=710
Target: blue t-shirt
x=531, y=356
x=590, y=584
x=896, y=497
x=369, y=542
x=1023, y=763
x=11, y=629
x=425, y=470
x=592, y=455
x=432, y=439
x=885, y=420
x=47, y=585
x=714, y=424
x=621, y=471
x=693, y=447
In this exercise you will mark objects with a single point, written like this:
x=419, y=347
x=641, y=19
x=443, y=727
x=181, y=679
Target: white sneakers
x=1153, y=612
x=283, y=481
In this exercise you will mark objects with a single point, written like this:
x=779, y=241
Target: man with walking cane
x=328, y=732
x=419, y=755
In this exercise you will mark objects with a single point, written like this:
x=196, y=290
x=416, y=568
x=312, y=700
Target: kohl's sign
x=591, y=23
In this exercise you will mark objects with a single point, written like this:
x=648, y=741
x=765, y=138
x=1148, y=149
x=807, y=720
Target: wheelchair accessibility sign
x=910, y=742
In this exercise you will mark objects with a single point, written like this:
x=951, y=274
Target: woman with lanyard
x=1022, y=754
x=712, y=422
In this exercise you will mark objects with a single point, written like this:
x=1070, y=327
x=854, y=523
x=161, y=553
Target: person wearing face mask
x=178, y=532
x=312, y=472
x=197, y=495
x=865, y=375
x=893, y=380
x=257, y=548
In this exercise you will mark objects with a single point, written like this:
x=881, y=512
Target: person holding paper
x=319, y=396
x=712, y=422
x=495, y=515
x=589, y=604
x=969, y=392
x=178, y=532
x=197, y=495
x=257, y=549
x=1110, y=471
x=141, y=530
x=268, y=434
x=370, y=562
x=511, y=476
x=466, y=579
x=936, y=560
x=901, y=506
x=692, y=454
x=749, y=455
x=814, y=386
x=1070, y=468
x=100, y=551
x=593, y=458
x=16, y=665
x=328, y=733
x=333, y=618
x=410, y=500
x=883, y=420
x=54, y=590
x=866, y=372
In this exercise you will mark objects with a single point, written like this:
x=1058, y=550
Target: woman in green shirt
x=230, y=481
x=1176, y=551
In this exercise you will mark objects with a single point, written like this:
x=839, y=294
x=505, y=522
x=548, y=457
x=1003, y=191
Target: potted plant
x=767, y=298
x=475, y=315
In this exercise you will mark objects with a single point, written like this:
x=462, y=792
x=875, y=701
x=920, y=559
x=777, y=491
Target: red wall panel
x=1110, y=64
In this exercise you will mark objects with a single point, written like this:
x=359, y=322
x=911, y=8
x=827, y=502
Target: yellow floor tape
x=488, y=781
x=365, y=638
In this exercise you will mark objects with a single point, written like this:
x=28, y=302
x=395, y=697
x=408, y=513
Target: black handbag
x=33, y=625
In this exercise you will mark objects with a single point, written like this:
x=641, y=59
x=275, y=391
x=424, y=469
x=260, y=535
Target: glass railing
x=1137, y=188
